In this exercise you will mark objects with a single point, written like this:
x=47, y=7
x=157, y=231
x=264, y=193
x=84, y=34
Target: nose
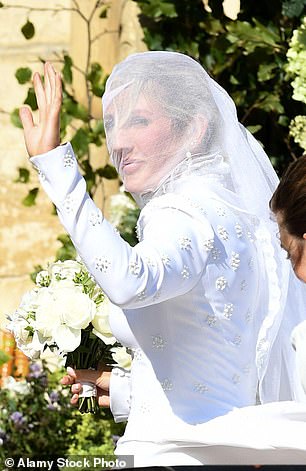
x=120, y=146
x=119, y=139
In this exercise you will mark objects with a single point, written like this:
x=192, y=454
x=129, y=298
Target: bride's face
x=295, y=248
x=142, y=144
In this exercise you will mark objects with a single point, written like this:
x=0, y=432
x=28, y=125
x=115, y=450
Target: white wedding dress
x=192, y=392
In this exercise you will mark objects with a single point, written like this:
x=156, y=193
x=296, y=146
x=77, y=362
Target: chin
x=136, y=187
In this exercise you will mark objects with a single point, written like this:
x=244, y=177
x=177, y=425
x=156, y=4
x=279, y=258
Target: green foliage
x=89, y=432
x=23, y=75
x=24, y=175
x=246, y=56
x=67, y=69
x=67, y=251
x=123, y=215
x=298, y=131
x=293, y=8
x=28, y=30
x=14, y=117
x=37, y=269
x=97, y=79
x=35, y=416
x=103, y=12
x=29, y=200
x=108, y=172
x=31, y=99
x=296, y=69
x=36, y=419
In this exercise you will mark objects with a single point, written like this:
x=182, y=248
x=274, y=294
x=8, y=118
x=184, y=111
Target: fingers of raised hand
x=49, y=94
x=53, y=85
x=48, y=87
x=26, y=118
x=40, y=94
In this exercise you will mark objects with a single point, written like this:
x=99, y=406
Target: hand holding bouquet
x=67, y=312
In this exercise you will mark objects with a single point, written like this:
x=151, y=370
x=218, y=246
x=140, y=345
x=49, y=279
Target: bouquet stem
x=88, y=398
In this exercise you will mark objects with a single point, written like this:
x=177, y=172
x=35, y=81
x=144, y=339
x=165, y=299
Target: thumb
x=26, y=117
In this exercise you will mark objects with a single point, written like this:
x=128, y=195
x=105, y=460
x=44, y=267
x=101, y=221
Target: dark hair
x=290, y=198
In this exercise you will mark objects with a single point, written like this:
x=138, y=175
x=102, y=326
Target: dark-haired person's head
x=289, y=206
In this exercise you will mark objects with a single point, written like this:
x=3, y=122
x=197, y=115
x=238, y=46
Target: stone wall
x=28, y=234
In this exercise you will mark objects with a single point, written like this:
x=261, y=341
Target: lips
x=129, y=166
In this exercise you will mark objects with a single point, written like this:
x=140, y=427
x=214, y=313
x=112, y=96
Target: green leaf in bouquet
x=23, y=75
x=28, y=30
x=37, y=269
x=30, y=199
x=67, y=251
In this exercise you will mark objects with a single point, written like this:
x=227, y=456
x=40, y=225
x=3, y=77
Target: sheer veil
x=207, y=141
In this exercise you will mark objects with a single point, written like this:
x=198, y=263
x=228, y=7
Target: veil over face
x=203, y=135
x=167, y=120
x=158, y=113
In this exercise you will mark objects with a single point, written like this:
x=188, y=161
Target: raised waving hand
x=45, y=135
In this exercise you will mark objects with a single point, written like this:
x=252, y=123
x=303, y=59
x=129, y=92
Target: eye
x=138, y=121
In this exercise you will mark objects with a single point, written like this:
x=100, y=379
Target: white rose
x=76, y=308
x=29, y=300
x=64, y=272
x=47, y=313
x=100, y=322
x=61, y=315
x=67, y=339
x=18, y=328
x=30, y=352
x=122, y=357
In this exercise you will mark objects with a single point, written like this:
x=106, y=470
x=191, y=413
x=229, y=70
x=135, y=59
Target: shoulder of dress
x=172, y=201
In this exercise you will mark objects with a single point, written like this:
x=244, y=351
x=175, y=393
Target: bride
x=206, y=300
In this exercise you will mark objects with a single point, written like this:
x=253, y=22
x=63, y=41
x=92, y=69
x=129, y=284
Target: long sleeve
x=120, y=394
x=168, y=261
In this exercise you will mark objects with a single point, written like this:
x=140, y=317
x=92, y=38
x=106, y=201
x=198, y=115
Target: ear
x=304, y=236
x=198, y=129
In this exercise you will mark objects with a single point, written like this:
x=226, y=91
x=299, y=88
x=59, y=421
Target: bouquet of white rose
x=68, y=313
